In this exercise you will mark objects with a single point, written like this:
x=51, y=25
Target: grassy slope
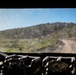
x=26, y=45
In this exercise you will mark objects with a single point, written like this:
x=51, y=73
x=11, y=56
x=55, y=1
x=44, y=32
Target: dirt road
x=69, y=47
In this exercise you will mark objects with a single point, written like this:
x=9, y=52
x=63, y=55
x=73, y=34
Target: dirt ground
x=69, y=46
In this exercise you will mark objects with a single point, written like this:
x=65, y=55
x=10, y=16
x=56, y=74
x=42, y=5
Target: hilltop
x=57, y=28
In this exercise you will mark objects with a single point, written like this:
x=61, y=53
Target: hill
x=61, y=29
x=29, y=39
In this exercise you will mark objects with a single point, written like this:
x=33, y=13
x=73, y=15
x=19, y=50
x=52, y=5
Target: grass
x=27, y=45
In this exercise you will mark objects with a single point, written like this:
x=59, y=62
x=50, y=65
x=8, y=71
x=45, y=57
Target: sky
x=24, y=17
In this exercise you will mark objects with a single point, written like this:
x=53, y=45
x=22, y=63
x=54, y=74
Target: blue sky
x=18, y=18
